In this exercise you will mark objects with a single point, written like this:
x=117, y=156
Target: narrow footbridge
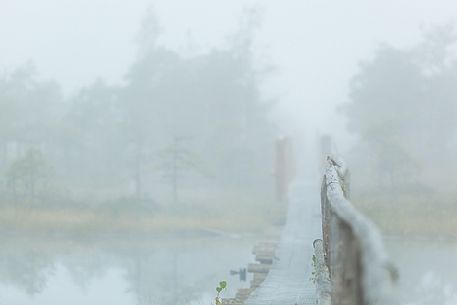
x=328, y=253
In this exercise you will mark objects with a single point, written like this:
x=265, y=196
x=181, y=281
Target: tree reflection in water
x=153, y=272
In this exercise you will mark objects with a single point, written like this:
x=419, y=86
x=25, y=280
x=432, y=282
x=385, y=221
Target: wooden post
x=325, y=210
x=341, y=250
x=345, y=265
x=360, y=271
x=321, y=273
x=284, y=167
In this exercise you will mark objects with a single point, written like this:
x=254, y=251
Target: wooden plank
x=258, y=279
x=244, y=293
x=264, y=259
x=260, y=276
x=288, y=281
x=270, y=250
x=259, y=268
x=265, y=253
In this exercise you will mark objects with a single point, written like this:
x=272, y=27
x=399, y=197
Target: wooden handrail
x=360, y=271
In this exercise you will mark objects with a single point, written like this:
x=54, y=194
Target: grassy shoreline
x=432, y=216
x=86, y=222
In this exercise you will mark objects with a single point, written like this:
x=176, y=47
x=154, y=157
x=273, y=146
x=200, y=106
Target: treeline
x=403, y=110
x=192, y=124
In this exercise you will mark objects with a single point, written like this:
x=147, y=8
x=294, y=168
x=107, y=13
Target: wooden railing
x=360, y=272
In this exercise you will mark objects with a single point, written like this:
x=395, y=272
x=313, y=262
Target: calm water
x=143, y=272
x=139, y=271
x=428, y=271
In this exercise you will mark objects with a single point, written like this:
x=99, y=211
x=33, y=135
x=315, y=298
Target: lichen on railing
x=321, y=276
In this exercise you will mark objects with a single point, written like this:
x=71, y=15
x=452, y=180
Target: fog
x=147, y=147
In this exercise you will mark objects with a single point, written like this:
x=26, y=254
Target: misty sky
x=315, y=44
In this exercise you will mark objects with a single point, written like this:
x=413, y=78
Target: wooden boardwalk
x=289, y=280
x=351, y=263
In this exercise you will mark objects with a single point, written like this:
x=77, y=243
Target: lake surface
x=131, y=270
x=428, y=271
x=120, y=270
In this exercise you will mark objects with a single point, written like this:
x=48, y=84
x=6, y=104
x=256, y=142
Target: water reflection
x=28, y=270
x=143, y=272
x=428, y=273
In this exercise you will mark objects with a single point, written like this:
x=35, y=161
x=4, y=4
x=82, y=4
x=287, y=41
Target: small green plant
x=219, y=289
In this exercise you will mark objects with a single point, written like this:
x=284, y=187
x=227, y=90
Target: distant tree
x=403, y=109
x=145, y=111
x=174, y=161
x=212, y=97
x=90, y=137
x=104, y=137
x=29, y=110
x=26, y=174
x=28, y=270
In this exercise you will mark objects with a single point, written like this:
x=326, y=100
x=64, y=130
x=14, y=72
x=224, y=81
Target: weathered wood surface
x=265, y=254
x=360, y=271
x=352, y=249
x=259, y=268
x=321, y=274
x=289, y=280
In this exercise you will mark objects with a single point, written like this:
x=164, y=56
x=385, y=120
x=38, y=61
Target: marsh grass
x=231, y=216
x=429, y=214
